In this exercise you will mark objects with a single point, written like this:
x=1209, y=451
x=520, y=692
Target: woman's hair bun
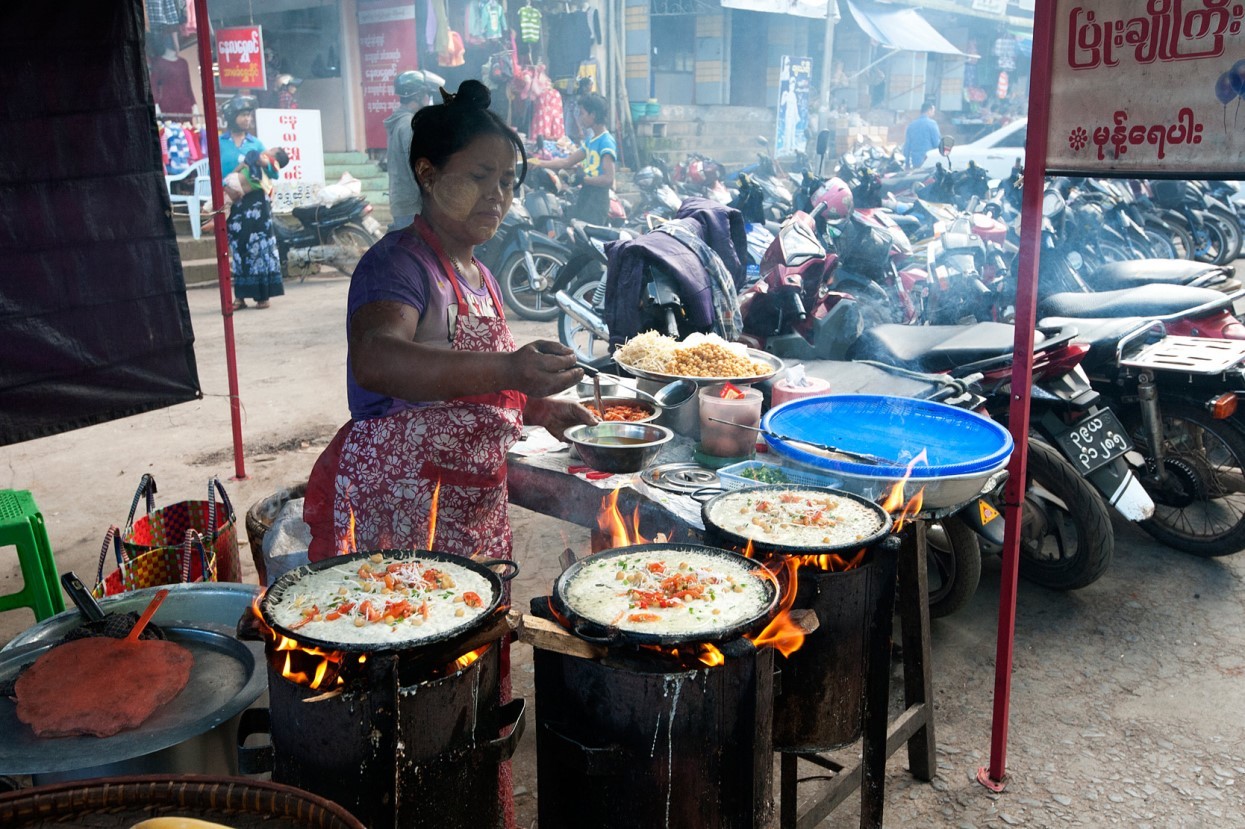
x=471, y=95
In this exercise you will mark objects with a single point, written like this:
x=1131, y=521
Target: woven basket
x=259, y=520
x=124, y=801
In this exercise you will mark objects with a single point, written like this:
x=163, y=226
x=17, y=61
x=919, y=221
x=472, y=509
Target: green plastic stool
x=21, y=526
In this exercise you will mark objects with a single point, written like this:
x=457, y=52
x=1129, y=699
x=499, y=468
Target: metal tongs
x=873, y=460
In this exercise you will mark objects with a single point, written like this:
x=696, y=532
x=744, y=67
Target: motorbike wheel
x=355, y=241
x=1169, y=241
x=1230, y=227
x=575, y=336
x=1066, y=539
x=516, y=288
x=1209, y=244
x=953, y=558
x=1201, y=509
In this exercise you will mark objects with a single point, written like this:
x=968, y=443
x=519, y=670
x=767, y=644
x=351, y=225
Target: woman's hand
x=543, y=368
x=557, y=415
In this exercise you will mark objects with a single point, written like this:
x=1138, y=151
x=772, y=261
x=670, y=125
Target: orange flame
x=704, y=652
x=432, y=515
x=895, y=500
x=833, y=562
x=347, y=544
x=711, y=656
x=469, y=657
x=783, y=633
x=614, y=527
x=315, y=668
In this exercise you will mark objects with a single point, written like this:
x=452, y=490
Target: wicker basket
x=259, y=520
x=125, y=801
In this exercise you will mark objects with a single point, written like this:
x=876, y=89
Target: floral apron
x=388, y=468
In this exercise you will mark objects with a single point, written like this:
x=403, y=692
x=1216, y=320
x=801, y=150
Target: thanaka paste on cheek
x=456, y=194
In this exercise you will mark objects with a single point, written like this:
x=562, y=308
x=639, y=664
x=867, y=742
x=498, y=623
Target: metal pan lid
x=404, y=635
x=640, y=595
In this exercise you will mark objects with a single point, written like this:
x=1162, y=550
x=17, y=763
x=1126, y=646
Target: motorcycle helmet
x=237, y=105
x=648, y=178
x=696, y=171
x=837, y=197
x=414, y=82
x=287, y=80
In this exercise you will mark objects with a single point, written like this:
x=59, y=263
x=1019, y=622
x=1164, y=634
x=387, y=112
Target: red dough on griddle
x=100, y=686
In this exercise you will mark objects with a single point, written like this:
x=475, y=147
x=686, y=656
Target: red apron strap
x=451, y=273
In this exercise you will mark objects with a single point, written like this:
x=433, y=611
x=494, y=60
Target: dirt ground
x=1128, y=697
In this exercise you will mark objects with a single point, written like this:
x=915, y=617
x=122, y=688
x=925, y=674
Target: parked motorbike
x=525, y=263
x=337, y=235
x=1177, y=398
x=579, y=290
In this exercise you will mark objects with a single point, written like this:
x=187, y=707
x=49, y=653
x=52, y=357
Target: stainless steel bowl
x=618, y=447
x=654, y=411
x=609, y=386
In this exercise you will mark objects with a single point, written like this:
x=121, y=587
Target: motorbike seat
x=602, y=233
x=1102, y=335
x=1134, y=273
x=910, y=225
x=316, y=214
x=1143, y=301
x=936, y=347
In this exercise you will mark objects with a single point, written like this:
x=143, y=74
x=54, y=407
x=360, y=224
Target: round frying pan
x=718, y=534
x=274, y=594
x=602, y=634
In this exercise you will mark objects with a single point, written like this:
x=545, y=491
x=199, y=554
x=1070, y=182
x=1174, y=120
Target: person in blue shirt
x=921, y=136
x=252, y=241
x=597, y=156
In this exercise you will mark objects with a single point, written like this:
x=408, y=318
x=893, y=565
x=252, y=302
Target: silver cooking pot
x=195, y=733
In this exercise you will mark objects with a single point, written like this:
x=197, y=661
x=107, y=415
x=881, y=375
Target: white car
x=996, y=151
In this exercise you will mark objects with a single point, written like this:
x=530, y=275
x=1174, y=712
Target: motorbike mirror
x=945, y=145
x=762, y=140
x=823, y=142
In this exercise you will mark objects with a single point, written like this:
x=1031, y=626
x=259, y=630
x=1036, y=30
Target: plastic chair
x=21, y=526
x=202, y=192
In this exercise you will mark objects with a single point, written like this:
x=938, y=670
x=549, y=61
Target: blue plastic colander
x=957, y=441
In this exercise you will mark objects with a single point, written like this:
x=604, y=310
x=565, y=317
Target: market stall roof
x=899, y=28
x=816, y=9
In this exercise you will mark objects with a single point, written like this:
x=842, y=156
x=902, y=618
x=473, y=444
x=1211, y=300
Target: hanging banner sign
x=793, y=81
x=388, y=45
x=1153, y=88
x=240, y=55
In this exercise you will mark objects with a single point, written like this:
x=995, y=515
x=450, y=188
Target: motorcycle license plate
x=1094, y=441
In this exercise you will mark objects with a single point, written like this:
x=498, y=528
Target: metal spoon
x=596, y=394
x=825, y=447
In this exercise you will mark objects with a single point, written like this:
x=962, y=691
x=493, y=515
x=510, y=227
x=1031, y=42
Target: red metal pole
x=995, y=776
x=218, y=228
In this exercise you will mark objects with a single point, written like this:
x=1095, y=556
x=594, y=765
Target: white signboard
x=1148, y=87
x=297, y=131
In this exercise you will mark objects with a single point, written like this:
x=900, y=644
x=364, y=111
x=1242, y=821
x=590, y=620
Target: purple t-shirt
x=409, y=272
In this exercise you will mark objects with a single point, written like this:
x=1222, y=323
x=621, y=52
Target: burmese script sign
x=1148, y=87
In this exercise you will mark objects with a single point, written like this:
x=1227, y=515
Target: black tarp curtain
x=94, y=323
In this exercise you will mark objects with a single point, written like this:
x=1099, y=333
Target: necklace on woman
x=458, y=266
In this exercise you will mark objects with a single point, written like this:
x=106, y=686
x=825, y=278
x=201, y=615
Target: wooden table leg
x=914, y=622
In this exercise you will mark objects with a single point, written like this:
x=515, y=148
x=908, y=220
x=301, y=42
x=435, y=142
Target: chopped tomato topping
x=472, y=599
x=643, y=617
x=656, y=567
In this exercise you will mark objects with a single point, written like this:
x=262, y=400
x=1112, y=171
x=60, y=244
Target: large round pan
x=716, y=534
x=598, y=633
x=287, y=581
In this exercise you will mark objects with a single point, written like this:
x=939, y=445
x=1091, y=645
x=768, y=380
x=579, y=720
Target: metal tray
x=227, y=677
x=775, y=364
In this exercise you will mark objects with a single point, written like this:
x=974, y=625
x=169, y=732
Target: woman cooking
x=438, y=392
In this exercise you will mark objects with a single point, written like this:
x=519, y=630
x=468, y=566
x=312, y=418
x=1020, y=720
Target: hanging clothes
x=455, y=53
x=441, y=42
x=569, y=43
x=178, y=144
x=529, y=24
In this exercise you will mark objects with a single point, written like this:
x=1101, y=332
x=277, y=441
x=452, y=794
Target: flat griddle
x=228, y=675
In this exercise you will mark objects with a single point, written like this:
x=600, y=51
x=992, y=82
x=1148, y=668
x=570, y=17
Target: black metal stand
x=882, y=737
